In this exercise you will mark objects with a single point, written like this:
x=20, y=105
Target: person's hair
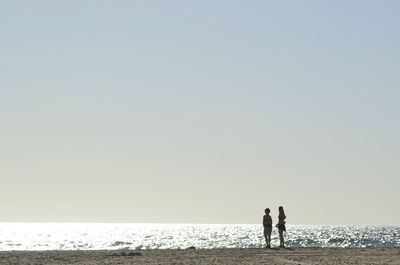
x=281, y=210
x=267, y=210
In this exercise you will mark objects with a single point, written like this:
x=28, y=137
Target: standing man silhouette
x=267, y=223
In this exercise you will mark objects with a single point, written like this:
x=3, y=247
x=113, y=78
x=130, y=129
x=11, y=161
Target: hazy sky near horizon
x=200, y=111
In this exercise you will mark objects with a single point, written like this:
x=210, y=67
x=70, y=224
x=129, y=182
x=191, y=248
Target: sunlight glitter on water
x=90, y=236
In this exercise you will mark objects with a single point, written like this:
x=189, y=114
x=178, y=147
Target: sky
x=200, y=111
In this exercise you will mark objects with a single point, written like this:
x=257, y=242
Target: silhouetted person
x=281, y=226
x=267, y=223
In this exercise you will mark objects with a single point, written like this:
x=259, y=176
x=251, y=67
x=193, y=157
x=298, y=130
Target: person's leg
x=266, y=237
x=269, y=239
x=282, y=241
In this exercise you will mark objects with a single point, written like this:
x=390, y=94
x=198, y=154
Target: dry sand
x=208, y=256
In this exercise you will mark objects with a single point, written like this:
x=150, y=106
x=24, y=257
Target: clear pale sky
x=200, y=111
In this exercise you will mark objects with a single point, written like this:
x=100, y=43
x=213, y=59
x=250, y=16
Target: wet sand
x=288, y=256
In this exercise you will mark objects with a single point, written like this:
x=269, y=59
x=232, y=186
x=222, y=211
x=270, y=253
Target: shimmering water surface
x=90, y=236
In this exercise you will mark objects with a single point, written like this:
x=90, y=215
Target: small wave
x=120, y=243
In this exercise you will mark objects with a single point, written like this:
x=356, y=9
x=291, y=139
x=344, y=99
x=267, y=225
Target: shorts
x=267, y=229
x=281, y=227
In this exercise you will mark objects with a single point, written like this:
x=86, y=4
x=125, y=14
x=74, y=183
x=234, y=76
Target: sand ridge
x=299, y=256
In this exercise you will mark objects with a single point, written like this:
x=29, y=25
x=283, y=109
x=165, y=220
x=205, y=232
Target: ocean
x=102, y=236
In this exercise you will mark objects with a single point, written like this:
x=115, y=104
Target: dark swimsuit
x=281, y=224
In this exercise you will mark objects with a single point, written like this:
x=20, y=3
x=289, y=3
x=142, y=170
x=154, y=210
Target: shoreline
x=228, y=256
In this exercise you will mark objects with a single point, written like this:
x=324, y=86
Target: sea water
x=96, y=236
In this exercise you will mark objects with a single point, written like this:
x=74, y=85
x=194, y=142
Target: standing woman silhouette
x=281, y=226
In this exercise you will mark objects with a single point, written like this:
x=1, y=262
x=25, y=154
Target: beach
x=207, y=256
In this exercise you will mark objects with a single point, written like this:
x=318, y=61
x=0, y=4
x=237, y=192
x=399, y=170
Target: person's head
x=267, y=211
x=281, y=210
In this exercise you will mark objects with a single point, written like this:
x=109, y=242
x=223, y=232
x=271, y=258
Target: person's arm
x=264, y=221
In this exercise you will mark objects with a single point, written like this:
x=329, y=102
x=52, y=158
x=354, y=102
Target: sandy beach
x=208, y=256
